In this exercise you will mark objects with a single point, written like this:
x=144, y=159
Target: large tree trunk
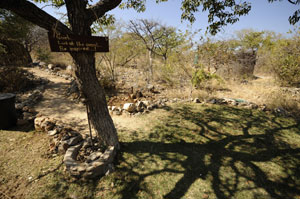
x=86, y=76
x=95, y=98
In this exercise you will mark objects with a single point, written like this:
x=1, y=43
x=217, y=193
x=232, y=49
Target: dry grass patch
x=257, y=91
x=23, y=157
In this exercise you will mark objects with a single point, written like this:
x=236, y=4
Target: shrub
x=43, y=55
x=216, y=56
x=166, y=74
x=200, y=76
x=284, y=101
x=286, y=63
x=14, y=79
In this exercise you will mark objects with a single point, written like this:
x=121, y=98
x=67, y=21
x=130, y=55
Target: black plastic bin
x=8, y=116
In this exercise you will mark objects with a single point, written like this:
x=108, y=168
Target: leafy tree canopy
x=13, y=26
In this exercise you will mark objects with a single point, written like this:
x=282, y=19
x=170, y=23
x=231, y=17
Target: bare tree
x=36, y=37
x=123, y=49
x=148, y=32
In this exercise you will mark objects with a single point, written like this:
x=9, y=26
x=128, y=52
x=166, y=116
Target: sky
x=263, y=16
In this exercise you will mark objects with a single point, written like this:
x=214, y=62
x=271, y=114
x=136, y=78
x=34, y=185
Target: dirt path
x=55, y=103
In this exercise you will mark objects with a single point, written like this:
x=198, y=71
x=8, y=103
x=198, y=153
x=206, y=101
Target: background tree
x=35, y=37
x=123, y=49
x=215, y=55
x=250, y=39
x=158, y=39
x=169, y=40
x=13, y=27
x=149, y=33
x=285, y=59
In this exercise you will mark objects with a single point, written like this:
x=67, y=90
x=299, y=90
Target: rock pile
x=25, y=104
x=54, y=70
x=245, y=104
x=232, y=102
x=83, y=157
x=137, y=107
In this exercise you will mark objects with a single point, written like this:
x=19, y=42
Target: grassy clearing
x=183, y=151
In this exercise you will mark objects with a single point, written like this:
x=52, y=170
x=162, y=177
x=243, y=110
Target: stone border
x=69, y=142
x=137, y=108
x=100, y=166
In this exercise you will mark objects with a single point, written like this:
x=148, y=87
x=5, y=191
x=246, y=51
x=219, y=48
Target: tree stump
x=8, y=116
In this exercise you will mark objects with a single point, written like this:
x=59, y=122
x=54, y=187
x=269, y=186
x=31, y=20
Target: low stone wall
x=71, y=143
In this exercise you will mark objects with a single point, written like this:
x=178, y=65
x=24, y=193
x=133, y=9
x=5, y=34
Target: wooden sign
x=76, y=43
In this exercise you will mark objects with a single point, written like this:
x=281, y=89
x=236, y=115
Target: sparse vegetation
x=44, y=55
x=286, y=63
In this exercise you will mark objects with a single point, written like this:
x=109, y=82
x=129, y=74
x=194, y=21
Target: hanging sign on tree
x=76, y=43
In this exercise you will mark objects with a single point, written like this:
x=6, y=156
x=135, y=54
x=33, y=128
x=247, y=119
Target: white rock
x=53, y=132
x=147, y=103
x=69, y=67
x=140, y=104
x=196, y=100
x=50, y=66
x=94, y=156
x=150, y=87
x=117, y=112
x=130, y=107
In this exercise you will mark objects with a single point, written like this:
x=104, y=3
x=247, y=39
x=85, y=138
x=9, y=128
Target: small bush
x=166, y=74
x=284, y=101
x=43, y=55
x=14, y=79
x=200, y=77
x=281, y=56
x=287, y=64
x=107, y=83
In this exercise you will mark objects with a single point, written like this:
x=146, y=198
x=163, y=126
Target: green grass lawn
x=182, y=151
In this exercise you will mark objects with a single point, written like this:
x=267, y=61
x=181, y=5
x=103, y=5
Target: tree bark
x=150, y=64
x=95, y=98
x=86, y=76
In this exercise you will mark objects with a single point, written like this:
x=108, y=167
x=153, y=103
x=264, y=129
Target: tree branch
x=292, y=2
x=34, y=14
x=99, y=9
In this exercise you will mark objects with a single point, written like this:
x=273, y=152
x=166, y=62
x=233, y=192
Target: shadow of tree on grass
x=218, y=152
